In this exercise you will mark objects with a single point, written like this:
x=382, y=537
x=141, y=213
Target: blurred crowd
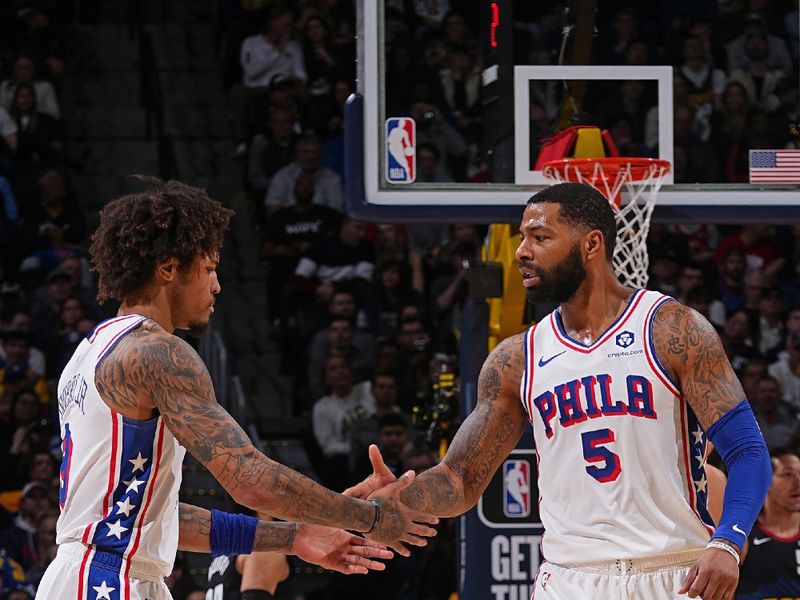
x=47, y=296
x=367, y=316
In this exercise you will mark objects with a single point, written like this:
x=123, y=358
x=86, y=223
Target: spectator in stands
x=390, y=243
x=393, y=439
x=21, y=321
x=70, y=332
x=777, y=420
x=39, y=137
x=25, y=72
x=757, y=243
x=343, y=304
x=365, y=430
x=332, y=418
x=414, y=341
x=786, y=370
x=730, y=286
x=729, y=124
x=769, y=567
x=42, y=467
x=703, y=166
x=16, y=365
x=705, y=82
x=20, y=540
x=433, y=129
x=58, y=222
x=449, y=292
x=290, y=231
x=271, y=152
x=664, y=267
x=392, y=293
x=459, y=83
x=80, y=283
x=46, y=542
x=771, y=332
x=758, y=80
x=429, y=159
x=737, y=339
x=787, y=115
x=327, y=188
x=344, y=259
x=753, y=372
x=26, y=426
x=755, y=284
x=264, y=56
x=624, y=29
x=691, y=276
x=777, y=55
x=47, y=316
x=340, y=339
x=388, y=359
x=456, y=33
x=322, y=60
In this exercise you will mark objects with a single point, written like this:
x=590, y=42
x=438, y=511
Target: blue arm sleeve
x=738, y=439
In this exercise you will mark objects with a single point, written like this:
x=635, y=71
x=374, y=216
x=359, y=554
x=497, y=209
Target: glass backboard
x=476, y=88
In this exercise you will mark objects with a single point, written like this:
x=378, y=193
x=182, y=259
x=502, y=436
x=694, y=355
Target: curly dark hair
x=584, y=206
x=138, y=231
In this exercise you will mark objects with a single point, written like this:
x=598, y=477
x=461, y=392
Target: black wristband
x=377, y=506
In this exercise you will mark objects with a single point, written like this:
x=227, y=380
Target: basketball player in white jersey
x=622, y=388
x=134, y=397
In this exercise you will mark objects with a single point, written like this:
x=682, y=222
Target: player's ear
x=594, y=245
x=167, y=269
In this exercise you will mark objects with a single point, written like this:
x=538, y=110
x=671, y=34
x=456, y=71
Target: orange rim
x=639, y=168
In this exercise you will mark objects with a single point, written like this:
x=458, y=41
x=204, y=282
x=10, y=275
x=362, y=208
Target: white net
x=636, y=184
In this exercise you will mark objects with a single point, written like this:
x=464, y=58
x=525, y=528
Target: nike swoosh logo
x=738, y=529
x=543, y=362
x=759, y=541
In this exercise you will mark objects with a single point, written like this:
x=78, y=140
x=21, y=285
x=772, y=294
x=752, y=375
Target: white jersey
x=119, y=476
x=620, y=453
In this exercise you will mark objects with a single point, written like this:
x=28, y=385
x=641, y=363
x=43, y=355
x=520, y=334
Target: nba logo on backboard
x=401, y=144
x=516, y=488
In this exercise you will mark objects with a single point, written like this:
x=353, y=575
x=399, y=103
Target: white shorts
x=80, y=573
x=653, y=578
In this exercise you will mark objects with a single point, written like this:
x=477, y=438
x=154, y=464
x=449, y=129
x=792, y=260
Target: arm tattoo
x=481, y=443
x=691, y=351
x=195, y=532
x=152, y=368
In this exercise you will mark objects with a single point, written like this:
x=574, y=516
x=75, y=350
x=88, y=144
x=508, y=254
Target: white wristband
x=724, y=546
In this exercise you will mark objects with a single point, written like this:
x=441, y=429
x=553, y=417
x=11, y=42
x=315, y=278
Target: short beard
x=560, y=283
x=198, y=329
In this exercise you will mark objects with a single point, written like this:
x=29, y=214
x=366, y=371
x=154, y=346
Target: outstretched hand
x=399, y=524
x=713, y=577
x=338, y=550
x=380, y=477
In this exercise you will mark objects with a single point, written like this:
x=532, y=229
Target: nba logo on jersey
x=401, y=143
x=516, y=488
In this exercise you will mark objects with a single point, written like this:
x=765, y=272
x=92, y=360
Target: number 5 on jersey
x=595, y=452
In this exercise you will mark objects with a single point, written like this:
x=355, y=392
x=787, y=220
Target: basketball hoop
x=640, y=179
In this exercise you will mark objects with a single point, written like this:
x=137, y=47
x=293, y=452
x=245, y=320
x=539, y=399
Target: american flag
x=774, y=166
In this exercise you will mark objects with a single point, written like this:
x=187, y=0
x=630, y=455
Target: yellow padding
x=506, y=313
x=589, y=143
